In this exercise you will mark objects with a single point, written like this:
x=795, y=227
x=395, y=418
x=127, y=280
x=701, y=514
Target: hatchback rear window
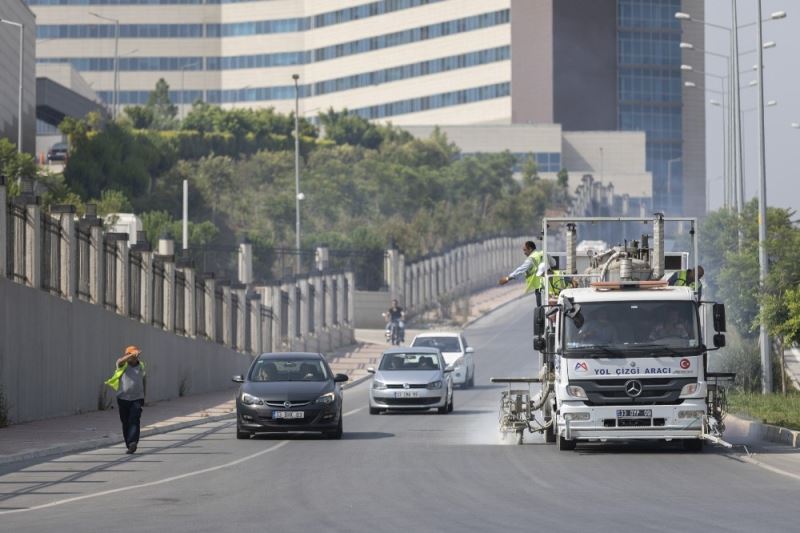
x=445, y=344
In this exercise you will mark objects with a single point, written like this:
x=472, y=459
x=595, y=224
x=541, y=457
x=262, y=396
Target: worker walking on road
x=129, y=383
x=529, y=267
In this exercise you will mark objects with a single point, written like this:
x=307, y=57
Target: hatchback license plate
x=287, y=414
x=406, y=394
x=634, y=413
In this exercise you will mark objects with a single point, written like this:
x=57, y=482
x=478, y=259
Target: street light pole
x=19, y=96
x=115, y=103
x=296, y=77
x=766, y=362
x=669, y=179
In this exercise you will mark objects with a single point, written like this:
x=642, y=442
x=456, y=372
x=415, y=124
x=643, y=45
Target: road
x=399, y=472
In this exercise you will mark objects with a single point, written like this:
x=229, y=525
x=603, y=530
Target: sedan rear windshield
x=410, y=361
x=445, y=344
x=288, y=370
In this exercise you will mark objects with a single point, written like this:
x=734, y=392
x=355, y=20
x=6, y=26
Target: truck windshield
x=630, y=325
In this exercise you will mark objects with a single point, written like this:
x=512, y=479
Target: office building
x=588, y=65
x=16, y=12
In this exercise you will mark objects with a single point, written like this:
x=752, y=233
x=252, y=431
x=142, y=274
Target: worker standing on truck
x=529, y=267
x=555, y=280
x=686, y=278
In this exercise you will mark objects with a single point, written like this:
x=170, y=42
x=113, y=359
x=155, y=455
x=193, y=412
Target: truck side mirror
x=538, y=322
x=719, y=318
x=719, y=340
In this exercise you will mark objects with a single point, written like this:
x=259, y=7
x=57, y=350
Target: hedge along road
x=424, y=472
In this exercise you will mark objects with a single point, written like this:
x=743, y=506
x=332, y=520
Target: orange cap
x=132, y=350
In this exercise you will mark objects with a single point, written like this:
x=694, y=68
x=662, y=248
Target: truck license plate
x=287, y=414
x=406, y=394
x=634, y=413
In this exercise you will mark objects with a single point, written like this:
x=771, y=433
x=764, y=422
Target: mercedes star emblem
x=633, y=388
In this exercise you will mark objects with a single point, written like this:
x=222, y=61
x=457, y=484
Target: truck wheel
x=565, y=445
x=693, y=445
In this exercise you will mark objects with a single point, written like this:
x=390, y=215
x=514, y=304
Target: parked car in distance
x=285, y=392
x=456, y=352
x=57, y=152
x=411, y=378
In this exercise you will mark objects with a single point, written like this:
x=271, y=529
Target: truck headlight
x=576, y=416
x=691, y=414
x=378, y=385
x=692, y=389
x=576, y=392
x=249, y=399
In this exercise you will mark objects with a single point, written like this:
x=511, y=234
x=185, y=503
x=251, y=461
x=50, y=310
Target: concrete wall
x=55, y=355
x=369, y=306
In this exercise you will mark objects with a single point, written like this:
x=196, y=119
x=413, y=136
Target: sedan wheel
x=374, y=411
x=337, y=433
x=242, y=435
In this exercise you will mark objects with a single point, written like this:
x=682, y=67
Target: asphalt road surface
x=400, y=472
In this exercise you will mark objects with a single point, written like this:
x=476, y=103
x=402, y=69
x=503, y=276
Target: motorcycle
x=395, y=332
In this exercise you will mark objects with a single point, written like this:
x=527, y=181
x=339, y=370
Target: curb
x=765, y=432
x=105, y=441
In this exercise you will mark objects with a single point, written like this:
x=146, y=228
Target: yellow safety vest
x=532, y=281
x=680, y=281
x=557, y=284
x=114, y=380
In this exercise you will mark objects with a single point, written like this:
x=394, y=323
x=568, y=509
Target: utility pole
x=763, y=336
x=296, y=77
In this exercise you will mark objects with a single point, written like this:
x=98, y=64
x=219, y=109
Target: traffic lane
x=389, y=469
x=395, y=472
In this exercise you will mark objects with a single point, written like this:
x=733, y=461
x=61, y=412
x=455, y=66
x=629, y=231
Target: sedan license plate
x=634, y=413
x=406, y=394
x=276, y=415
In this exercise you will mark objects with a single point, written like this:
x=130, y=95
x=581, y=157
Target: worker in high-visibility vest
x=529, y=267
x=129, y=383
x=686, y=278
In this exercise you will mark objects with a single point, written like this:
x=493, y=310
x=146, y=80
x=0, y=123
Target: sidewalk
x=102, y=428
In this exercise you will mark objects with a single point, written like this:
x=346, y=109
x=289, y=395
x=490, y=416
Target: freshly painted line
x=149, y=484
x=160, y=481
x=773, y=469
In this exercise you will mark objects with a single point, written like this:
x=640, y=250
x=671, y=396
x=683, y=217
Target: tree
x=563, y=178
x=163, y=110
x=347, y=128
x=14, y=164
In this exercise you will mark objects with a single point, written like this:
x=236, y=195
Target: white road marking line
x=149, y=484
x=348, y=413
x=773, y=469
x=160, y=481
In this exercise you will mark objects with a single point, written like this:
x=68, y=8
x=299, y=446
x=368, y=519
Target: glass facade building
x=650, y=91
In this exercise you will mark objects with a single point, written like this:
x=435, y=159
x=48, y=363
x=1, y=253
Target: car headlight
x=435, y=384
x=249, y=399
x=458, y=362
x=576, y=392
x=326, y=398
x=380, y=385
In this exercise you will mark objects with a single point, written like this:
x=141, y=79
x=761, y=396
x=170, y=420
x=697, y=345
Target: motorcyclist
x=395, y=315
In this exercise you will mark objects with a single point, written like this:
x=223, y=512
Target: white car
x=411, y=378
x=456, y=352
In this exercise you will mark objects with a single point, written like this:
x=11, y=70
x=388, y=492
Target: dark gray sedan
x=285, y=392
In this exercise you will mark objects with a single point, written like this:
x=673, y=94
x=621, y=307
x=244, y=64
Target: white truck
x=623, y=354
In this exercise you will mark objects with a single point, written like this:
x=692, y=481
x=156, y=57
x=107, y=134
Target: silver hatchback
x=411, y=378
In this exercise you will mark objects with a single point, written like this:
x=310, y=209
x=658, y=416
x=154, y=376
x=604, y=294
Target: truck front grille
x=655, y=391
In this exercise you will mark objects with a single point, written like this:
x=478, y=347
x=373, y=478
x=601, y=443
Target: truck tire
x=693, y=445
x=565, y=445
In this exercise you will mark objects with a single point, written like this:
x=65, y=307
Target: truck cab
x=628, y=363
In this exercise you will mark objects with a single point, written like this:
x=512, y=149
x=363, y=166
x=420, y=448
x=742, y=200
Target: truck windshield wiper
x=659, y=348
x=602, y=348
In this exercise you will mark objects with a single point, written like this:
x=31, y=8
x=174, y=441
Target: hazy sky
x=781, y=83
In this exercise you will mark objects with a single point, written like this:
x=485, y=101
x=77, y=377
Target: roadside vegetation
x=732, y=277
x=776, y=409
x=365, y=185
